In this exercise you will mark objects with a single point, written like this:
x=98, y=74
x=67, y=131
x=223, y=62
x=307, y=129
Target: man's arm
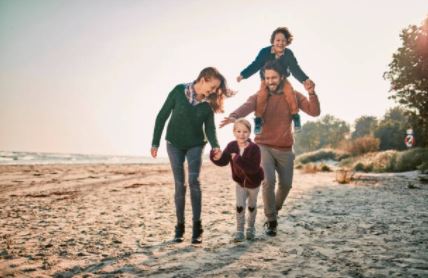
x=242, y=111
x=311, y=105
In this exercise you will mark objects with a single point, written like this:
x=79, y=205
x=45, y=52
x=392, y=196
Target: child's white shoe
x=250, y=234
x=239, y=236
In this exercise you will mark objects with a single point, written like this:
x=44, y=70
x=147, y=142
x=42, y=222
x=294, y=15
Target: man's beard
x=277, y=88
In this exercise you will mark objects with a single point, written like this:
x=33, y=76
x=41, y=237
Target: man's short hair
x=273, y=65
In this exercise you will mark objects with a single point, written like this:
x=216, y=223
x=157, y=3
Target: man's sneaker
x=297, y=123
x=179, y=232
x=258, y=125
x=250, y=234
x=239, y=236
x=270, y=228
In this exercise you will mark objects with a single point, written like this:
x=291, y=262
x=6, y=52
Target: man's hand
x=226, y=121
x=309, y=86
x=239, y=78
x=154, y=152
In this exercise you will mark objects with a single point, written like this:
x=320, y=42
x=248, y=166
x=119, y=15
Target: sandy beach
x=118, y=221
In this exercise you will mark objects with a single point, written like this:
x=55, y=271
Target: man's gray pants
x=281, y=162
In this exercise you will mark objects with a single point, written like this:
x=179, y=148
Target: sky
x=90, y=76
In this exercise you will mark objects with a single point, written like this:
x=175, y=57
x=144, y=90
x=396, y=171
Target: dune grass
x=322, y=154
x=389, y=161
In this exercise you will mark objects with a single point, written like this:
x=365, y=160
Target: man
x=276, y=139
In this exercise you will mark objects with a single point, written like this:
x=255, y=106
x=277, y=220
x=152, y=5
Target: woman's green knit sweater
x=189, y=125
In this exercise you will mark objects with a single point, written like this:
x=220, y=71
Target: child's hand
x=217, y=154
x=309, y=85
x=239, y=78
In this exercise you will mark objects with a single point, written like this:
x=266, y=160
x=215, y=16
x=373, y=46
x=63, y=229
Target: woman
x=192, y=107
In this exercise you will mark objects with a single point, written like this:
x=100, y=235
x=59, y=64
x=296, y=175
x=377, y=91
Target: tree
x=364, y=125
x=392, y=129
x=332, y=131
x=408, y=75
x=326, y=132
x=308, y=139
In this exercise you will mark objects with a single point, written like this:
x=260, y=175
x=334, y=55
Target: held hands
x=309, y=86
x=217, y=153
x=154, y=152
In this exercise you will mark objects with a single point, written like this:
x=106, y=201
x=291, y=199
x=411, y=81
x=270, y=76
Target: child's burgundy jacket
x=246, y=170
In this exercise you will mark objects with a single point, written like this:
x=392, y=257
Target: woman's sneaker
x=179, y=232
x=197, y=232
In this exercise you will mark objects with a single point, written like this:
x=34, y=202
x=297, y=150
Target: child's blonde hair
x=244, y=122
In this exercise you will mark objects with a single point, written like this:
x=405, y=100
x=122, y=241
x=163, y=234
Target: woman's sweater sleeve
x=210, y=131
x=162, y=116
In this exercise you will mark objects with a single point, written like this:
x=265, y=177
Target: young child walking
x=244, y=158
x=280, y=39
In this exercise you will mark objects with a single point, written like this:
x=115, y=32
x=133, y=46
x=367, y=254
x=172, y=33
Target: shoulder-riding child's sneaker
x=297, y=123
x=258, y=125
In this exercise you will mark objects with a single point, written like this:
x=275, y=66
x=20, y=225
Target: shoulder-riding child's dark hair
x=284, y=30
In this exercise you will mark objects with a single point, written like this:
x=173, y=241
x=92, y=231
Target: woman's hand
x=217, y=153
x=154, y=152
x=239, y=78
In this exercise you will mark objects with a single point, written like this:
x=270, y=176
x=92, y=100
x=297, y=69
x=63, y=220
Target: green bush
x=322, y=154
x=411, y=159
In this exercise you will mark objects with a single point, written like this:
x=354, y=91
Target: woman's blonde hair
x=243, y=122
